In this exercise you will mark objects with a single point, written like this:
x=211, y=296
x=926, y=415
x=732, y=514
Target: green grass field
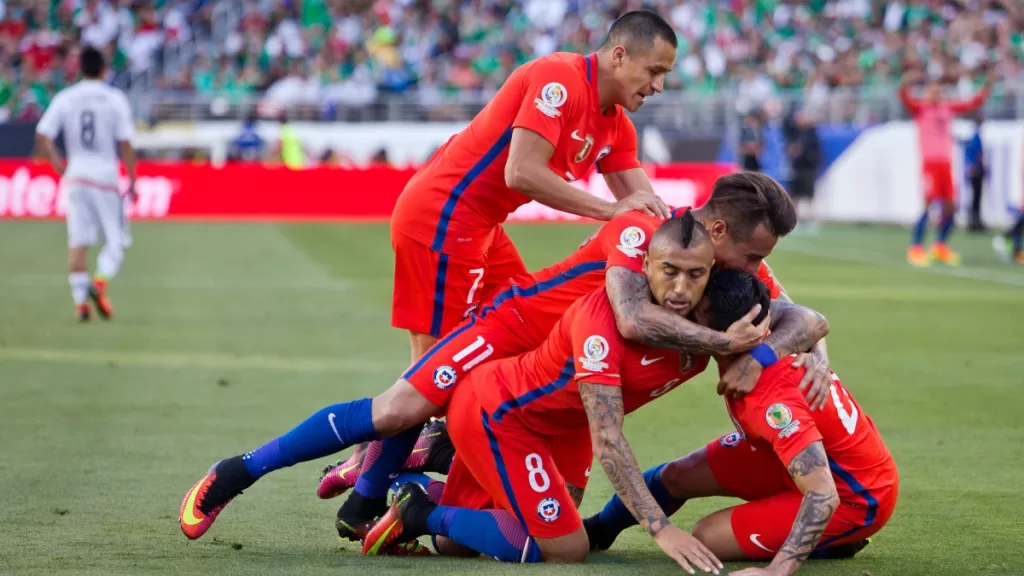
x=229, y=334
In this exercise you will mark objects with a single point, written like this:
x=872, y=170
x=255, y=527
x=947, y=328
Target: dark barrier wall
x=17, y=139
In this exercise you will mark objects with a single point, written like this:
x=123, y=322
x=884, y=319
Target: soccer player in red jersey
x=746, y=214
x=551, y=121
x=522, y=427
x=934, y=118
x=817, y=484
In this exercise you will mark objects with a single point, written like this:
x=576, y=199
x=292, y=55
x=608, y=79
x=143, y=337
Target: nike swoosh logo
x=346, y=470
x=380, y=541
x=419, y=450
x=576, y=135
x=645, y=362
x=188, y=516
x=754, y=537
x=330, y=419
x=587, y=473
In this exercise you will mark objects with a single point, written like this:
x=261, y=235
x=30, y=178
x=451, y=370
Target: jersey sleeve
x=625, y=239
x=125, y=130
x=49, y=124
x=765, y=274
x=553, y=93
x=624, y=154
x=596, y=344
x=779, y=415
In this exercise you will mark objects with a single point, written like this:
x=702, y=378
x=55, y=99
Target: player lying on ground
x=515, y=421
x=746, y=214
x=934, y=118
x=551, y=121
x=816, y=483
x=97, y=124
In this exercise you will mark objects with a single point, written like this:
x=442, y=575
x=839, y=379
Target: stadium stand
x=441, y=59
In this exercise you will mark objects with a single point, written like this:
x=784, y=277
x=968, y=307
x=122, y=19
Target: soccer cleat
x=412, y=548
x=341, y=476
x=943, y=253
x=98, y=295
x=1001, y=244
x=353, y=530
x=82, y=312
x=211, y=494
x=411, y=500
x=840, y=552
x=918, y=256
x=1019, y=258
x=433, y=451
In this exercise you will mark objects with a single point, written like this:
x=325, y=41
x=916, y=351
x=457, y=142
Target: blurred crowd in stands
x=314, y=57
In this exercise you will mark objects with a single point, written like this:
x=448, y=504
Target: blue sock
x=616, y=517
x=330, y=430
x=414, y=477
x=375, y=481
x=920, y=227
x=494, y=533
x=944, y=227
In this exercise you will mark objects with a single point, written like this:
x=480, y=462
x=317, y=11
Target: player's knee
x=447, y=547
x=399, y=408
x=684, y=478
x=569, y=549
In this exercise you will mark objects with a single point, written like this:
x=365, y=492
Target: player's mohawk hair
x=684, y=229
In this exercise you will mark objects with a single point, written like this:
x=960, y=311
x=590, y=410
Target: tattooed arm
x=639, y=319
x=816, y=381
x=605, y=412
x=809, y=470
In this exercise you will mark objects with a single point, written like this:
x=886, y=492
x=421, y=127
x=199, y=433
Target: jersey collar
x=591, y=64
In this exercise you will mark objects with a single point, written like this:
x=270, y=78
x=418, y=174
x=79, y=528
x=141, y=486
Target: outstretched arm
x=640, y=320
x=605, y=413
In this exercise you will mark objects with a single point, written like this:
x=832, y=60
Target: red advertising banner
x=253, y=192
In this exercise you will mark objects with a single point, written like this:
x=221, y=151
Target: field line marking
x=179, y=359
x=835, y=252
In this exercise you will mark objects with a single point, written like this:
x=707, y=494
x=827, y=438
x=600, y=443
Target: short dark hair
x=730, y=294
x=746, y=200
x=640, y=26
x=91, y=62
x=684, y=229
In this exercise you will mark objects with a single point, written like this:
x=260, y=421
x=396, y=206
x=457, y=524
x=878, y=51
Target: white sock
x=108, y=263
x=79, y=286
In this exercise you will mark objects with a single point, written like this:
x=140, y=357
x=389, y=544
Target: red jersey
x=541, y=297
x=540, y=388
x=775, y=416
x=457, y=198
x=935, y=123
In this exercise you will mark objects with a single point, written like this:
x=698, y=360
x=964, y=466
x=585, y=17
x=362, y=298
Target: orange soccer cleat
x=98, y=295
x=918, y=256
x=82, y=312
x=410, y=501
x=943, y=253
x=211, y=494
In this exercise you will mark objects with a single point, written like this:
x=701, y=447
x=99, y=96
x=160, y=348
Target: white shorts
x=91, y=210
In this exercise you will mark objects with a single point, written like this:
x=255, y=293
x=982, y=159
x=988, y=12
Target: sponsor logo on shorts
x=790, y=430
x=778, y=416
x=630, y=240
x=552, y=96
x=755, y=539
x=595, y=349
x=731, y=439
x=549, y=509
x=444, y=377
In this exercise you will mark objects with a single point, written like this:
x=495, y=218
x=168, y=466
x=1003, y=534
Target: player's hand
x=817, y=382
x=645, y=202
x=744, y=334
x=132, y=194
x=741, y=377
x=756, y=572
x=686, y=550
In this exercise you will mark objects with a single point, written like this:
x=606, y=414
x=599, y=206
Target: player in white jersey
x=97, y=124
